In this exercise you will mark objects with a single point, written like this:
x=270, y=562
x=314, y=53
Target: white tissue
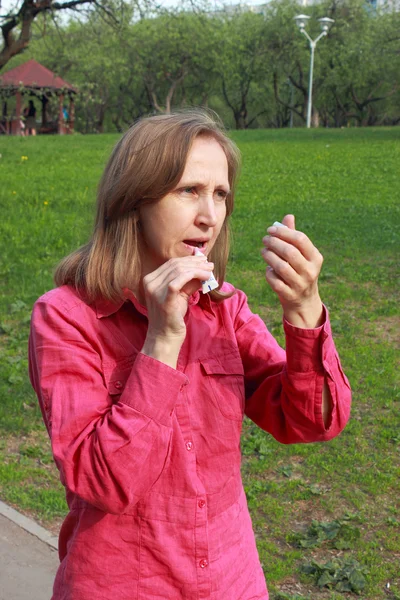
x=211, y=284
x=277, y=224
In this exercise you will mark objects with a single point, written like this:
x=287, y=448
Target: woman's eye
x=222, y=195
x=189, y=190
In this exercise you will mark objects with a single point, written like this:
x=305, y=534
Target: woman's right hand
x=167, y=291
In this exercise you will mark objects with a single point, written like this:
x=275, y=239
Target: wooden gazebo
x=33, y=79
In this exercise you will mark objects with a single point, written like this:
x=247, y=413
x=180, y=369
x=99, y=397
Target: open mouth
x=195, y=244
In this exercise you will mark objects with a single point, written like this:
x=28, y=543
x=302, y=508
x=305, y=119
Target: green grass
x=343, y=187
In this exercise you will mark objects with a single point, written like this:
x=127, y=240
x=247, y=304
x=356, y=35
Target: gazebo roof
x=33, y=75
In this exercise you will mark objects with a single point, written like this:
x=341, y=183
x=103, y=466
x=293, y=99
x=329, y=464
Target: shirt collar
x=106, y=308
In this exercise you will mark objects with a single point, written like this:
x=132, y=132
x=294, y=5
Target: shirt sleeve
x=108, y=453
x=284, y=389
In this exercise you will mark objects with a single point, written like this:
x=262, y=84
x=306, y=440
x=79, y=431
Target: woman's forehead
x=206, y=158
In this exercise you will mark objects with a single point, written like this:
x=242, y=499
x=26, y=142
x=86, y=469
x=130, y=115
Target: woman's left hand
x=294, y=265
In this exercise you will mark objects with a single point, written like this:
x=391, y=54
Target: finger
x=287, y=252
x=277, y=284
x=190, y=288
x=173, y=265
x=289, y=221
x=166, y=288
x=282, y=268
x=298, y=239
x=185, y=270
x=176, y=285
x=162, y=277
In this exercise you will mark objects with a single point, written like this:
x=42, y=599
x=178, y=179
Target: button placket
x=201, y=529
x=202, y=545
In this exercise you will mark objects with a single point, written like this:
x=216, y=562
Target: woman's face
x=190, y=215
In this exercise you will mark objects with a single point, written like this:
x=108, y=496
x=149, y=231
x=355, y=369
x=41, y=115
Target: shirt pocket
x=225, y=380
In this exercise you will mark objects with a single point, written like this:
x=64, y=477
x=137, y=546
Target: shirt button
x=203, y=563
x=202, y=503
x=189, y=446
x=118, y=385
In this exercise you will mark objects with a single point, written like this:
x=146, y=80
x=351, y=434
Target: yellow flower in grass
x=24, y=158
x=14, y=193
x=45, y=203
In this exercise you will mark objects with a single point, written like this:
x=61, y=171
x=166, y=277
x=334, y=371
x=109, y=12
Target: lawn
x=323, y=514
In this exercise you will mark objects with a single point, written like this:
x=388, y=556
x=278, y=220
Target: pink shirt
x=150, y=456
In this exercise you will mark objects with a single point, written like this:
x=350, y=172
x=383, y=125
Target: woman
x=143, y=381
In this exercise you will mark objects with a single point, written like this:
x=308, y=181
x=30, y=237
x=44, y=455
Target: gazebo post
x=61, y=128
x=18, y=106
x=5, y=125
x=71, y=114
x=44, y=110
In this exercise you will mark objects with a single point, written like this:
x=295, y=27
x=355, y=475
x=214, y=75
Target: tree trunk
x=315, y=118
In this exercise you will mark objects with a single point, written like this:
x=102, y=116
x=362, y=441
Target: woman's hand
x=294, y=265
x=167, y=291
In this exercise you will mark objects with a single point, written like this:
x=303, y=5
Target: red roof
x=34, y=75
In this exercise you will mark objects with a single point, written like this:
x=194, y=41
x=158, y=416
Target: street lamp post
x=326, y=23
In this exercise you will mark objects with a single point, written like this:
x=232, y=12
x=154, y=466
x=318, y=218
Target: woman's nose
x=207, y=214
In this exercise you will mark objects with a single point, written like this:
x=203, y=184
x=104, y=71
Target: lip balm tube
x=211, y=284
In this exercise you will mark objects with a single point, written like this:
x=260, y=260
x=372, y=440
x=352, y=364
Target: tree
x=361, y=66
x=174, y=54
x=242, y=58
x=16, y=24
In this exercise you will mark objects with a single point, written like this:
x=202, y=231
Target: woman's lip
x=202, y=249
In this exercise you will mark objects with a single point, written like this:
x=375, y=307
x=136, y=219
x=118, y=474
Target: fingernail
x=272, y=229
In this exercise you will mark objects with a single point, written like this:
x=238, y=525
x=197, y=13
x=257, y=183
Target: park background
x=249, y=63
x=326, y=516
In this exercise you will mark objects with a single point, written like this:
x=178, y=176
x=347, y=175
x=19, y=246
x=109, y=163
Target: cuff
x=153, y=388
x=305, y=348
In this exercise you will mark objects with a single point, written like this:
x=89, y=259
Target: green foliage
x=340, y=532
x=342, y=574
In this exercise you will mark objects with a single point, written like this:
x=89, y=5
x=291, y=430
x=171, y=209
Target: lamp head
x=326, y=23
x=301, y=21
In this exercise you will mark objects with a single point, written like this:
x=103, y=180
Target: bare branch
x=66, y=5
x=17, y=28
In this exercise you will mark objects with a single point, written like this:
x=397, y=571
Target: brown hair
x=145, y=165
